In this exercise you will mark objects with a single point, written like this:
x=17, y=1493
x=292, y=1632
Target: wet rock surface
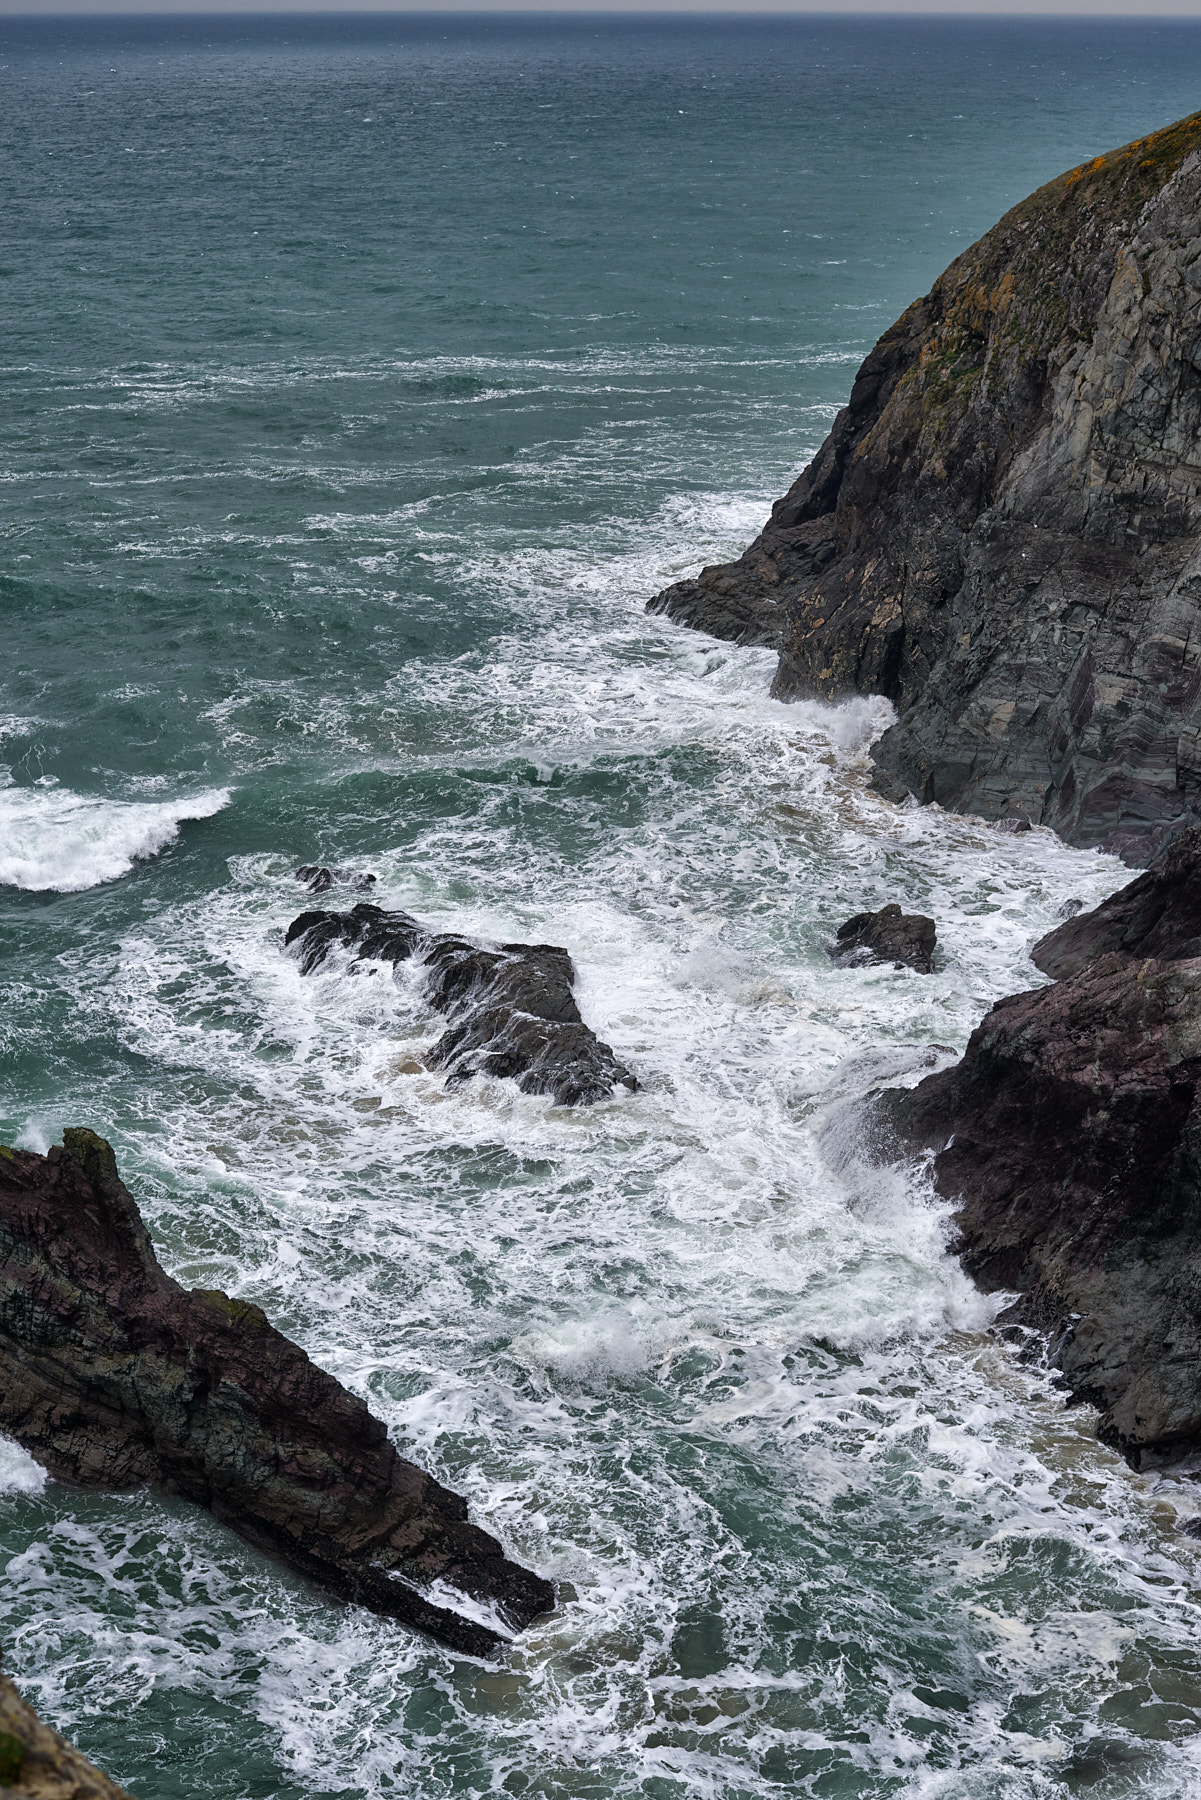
x=510, y=1008
x=887, y=936
x=37, y=1764
x=1157, y=915
x=112, y=1375
x=1070, y=1138
x=1002, y=532
x=319, y=878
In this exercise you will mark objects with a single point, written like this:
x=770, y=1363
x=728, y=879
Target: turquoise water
x=362, y=383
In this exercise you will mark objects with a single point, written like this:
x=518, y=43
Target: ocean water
x=362, y=382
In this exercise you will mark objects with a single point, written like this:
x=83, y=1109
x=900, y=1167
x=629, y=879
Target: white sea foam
x=51, y=838
x=19, y=1474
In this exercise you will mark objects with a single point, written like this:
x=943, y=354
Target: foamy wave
x=51, y=838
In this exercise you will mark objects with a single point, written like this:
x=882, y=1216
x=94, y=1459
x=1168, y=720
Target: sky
x=1130, y=9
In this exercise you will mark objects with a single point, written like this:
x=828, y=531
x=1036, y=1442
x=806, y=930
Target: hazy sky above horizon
x=1129, y=9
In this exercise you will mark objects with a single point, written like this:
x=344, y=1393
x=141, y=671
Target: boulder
x=1069, y=1137
x=112, y=1375
x=887, y=936
x=1002, y=532
x=510, y=1008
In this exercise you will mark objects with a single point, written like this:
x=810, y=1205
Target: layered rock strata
x=1002, y=532
x=37, y=1764
x=1070, y=1137
x=112, y=1375
x=887, y=936
x=511, y=1008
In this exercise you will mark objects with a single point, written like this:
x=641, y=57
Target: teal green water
x=362, y=383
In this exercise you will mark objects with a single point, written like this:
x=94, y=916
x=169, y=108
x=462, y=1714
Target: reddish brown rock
x=1157, y=915
x=112, y=1375
x=37, y=1764
x=1069, y=1136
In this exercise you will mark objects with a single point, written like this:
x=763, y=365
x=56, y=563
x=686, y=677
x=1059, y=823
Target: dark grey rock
x=1002, y=532
x=887, y=936
x=318, y=878
x=511, y=1009
x=111, y=1375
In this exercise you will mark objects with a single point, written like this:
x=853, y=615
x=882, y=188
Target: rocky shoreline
x=1002, y=535
x=1001, y=532
x=1069, y=1137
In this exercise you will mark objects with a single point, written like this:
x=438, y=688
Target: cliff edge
x=1002, y=532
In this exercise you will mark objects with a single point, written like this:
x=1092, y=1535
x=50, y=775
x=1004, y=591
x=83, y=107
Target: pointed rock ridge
x=511, y=1008
x=112, y=1375
x=1158, y=915
x=319, y=878
x=1002, y=532
x=37, y=1764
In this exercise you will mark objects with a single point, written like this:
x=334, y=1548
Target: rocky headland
x=1070, y=1138
x=1002, y=532
x=112, y=1375
x=511, y=1008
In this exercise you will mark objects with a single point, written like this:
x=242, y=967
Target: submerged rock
x=511, y=1008
x=318, y=878
x=887, y=936
x=1002, y=532
x=1070, y=1137
x=37, y=1764
x=112, y=1375
x=1157, y=915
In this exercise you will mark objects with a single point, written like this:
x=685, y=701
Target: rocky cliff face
x=1002, y=532
x=1070, y=1137
x=112, y=1375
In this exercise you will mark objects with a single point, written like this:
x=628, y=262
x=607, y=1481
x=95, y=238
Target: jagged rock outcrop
x=1070, y=1136
x=887, y=936
x=112, y=1375
x=1158, y=915
x=511, y=1008
x=319, y=878
x=37, y=1764
x=1002, y=532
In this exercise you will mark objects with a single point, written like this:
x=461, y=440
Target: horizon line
x=1031, y=11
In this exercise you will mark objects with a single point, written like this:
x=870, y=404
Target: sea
x=363, y=378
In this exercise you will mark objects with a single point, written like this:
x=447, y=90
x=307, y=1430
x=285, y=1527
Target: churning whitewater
x=331, y=522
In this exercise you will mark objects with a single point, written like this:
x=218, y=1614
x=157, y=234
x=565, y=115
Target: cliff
x=1002, y=532
x=112, y=1375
